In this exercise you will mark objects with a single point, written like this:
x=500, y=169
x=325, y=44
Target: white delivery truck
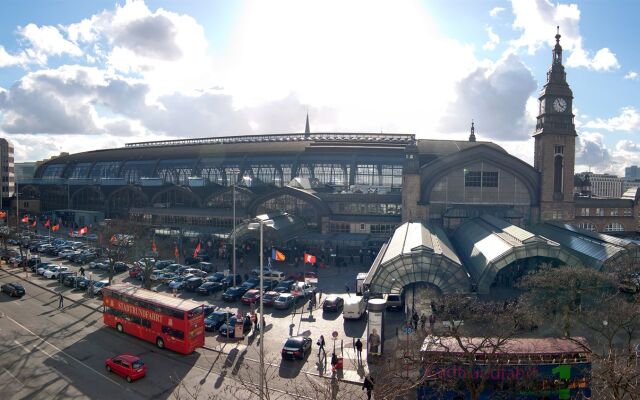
x=354, y=307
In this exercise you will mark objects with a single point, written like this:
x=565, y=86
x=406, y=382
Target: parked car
x=161, y=264
x=54, y=272
x=128, y=366
x=179, y=282
x=209, y=287
x=251, y=296
x=233, y=293
x=41, y=270
x=194, y=271
x=297, y=347
x=14, y=289
x=97, y=287
x=269, y=298
x=216, y=319
x=135, y=272
x=62, y=275
x=284, y=286
x=227, y=281
x=250, y=283
x=192, y=284
x=333, y=303
x=70, y=280
x=171, y=268
x=82, y=282
x=44, y=265
x=228, y=328
x=216, y=277
x=284, y=302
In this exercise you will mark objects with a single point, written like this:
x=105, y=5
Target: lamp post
x=233, y=233
x=262, y=221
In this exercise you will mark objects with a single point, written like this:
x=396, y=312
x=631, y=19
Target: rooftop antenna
x=472, y=136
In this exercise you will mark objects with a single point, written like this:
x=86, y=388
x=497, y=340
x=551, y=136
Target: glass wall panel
x=367, y=174
x=293, y=206
x=225, y=200
x=53, y=171
x=132, y=171
x=108, y=169
x=79, y=171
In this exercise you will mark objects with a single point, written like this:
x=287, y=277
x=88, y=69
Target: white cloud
x=494, y=39
x=7, y=60
x=627, y=121
x=592, y=153
x=494, y=12
x=497, y=96
x=46, y=41
x=632, y=75
x=538, y=20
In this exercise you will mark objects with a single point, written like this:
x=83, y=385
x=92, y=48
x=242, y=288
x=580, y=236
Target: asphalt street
x=50, y=353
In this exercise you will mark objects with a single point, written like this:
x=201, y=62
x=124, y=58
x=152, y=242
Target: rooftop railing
x=393, y=138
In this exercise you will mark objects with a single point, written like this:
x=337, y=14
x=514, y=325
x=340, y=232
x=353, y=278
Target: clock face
x=559, y=105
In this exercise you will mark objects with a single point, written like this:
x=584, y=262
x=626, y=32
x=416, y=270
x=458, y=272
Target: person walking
x=60, y=301
x=368, y=386
x=432, y=321
x=81, y=271
x=321, y=346
x=359, y=349
x=423, y=321
x=415, y=321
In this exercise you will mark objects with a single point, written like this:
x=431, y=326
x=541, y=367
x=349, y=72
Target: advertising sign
x=374, y=329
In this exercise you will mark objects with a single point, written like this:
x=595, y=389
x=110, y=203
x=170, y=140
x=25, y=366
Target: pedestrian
x=423, y=321
x=81, y=271
x=415, y=321
x=60, y=301
x=347, y=288
x=334, y=362
x=321, y=346
x=432, y=321
x=368, y=386
x=319, y=295
x=359, y=348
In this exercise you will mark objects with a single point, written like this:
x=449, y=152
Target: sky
x=80, y=75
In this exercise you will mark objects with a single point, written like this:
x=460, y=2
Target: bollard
x=341, y=346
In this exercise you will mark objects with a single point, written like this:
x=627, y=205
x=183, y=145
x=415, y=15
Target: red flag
x=25, y=219
x=308, y=258
x=83, y=230
x=3, y=214
x=47, y=224
x=196, y=251
x=35, y=222
x=113, y=239
x=55, y=227
x=153, y=246
x=176, y=252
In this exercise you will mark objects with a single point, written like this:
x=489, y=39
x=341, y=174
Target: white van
x=274, y=275
x=354, y=307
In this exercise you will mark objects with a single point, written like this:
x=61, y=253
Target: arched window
x=293, y=206
x=557, y=174
x=587, y=226
x=614, y=227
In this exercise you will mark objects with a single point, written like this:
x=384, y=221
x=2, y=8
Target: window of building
x=490, y=179
x=472, y=178
x=383, y=228
x=584, y=212
x=366, y=174
x=627, y=212
x=614, y=212
x=587, y=226
x=600, y=212
x=614, y=227
x=558, y=149
x=339, y=227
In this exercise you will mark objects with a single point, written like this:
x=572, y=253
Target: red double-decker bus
x=169, y=322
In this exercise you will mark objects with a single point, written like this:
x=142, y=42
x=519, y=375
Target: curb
x=18, y=275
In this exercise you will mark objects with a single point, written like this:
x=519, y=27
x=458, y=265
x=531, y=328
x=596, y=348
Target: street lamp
x=262, y=221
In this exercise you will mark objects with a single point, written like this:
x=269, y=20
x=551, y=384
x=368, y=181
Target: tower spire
x=307, y=131
x=472, y=136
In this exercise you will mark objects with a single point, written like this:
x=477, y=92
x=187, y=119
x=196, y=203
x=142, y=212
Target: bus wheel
x=160, y=343
x=119, y=328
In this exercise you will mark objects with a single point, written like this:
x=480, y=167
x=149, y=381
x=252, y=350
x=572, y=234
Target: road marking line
x=13, y=376
x=22, y=346
x=61, y=351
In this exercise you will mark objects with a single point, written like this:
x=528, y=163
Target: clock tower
x=555, y=142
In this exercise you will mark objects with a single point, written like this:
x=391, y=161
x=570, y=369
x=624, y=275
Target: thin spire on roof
x=307, y=131
x=472, y=136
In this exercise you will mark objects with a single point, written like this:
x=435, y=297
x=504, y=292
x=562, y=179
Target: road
x=49, y=353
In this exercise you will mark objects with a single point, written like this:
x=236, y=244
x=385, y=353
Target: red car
x=128, y=366
x=252, y=296
x=135, y=272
